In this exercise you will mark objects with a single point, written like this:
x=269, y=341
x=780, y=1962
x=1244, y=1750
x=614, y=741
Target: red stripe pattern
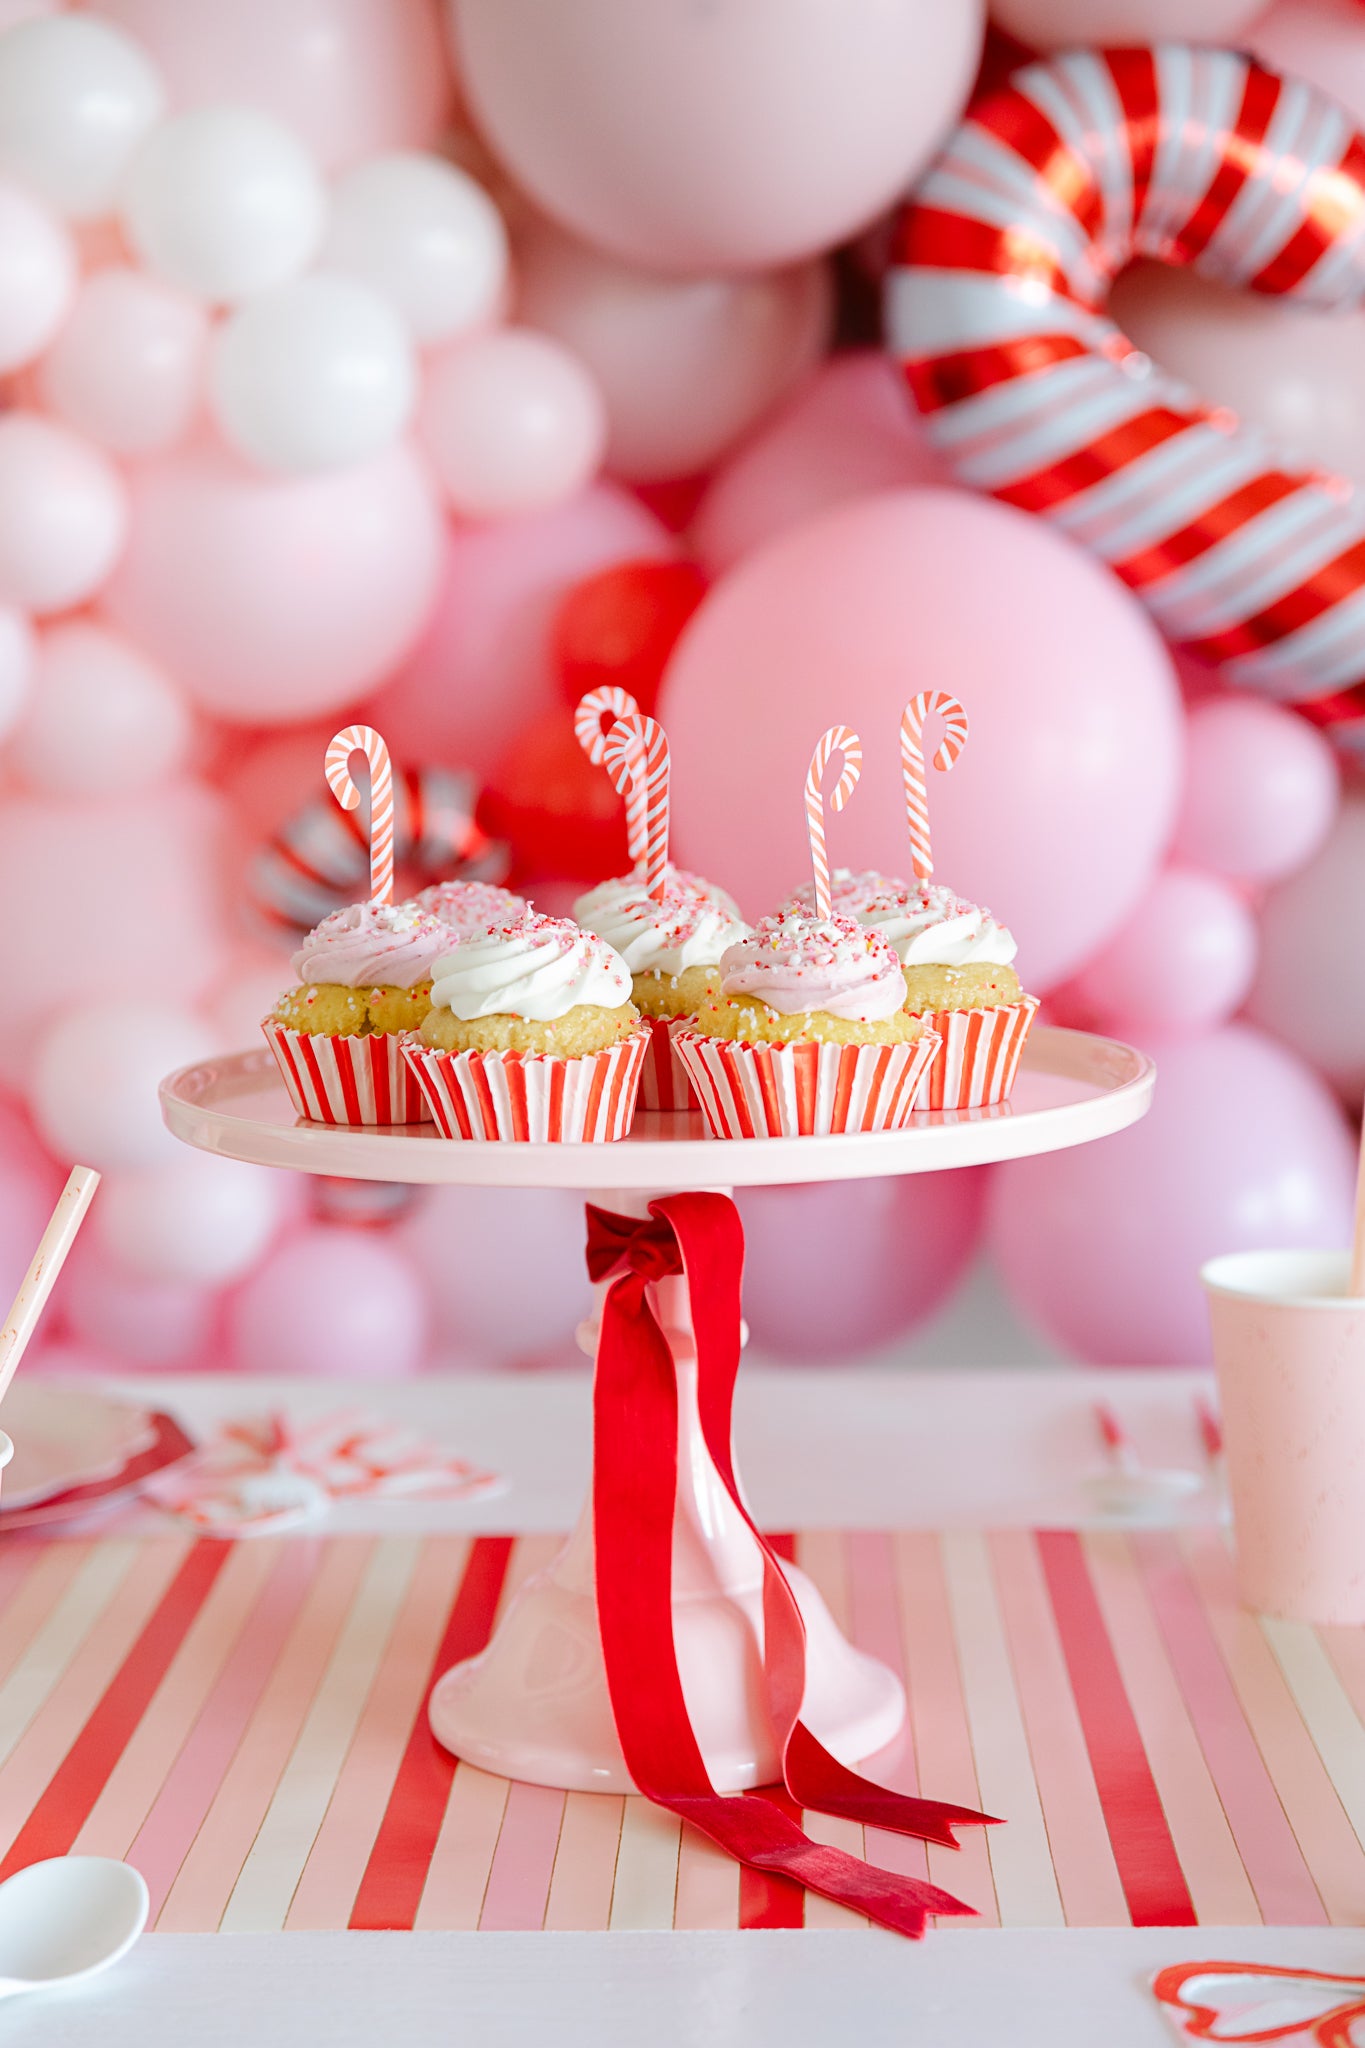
x=664, y=1082
x=996, y=314
x=529, y=1098
x=978, y=1054
x=809, y=1090
x=347, y=1080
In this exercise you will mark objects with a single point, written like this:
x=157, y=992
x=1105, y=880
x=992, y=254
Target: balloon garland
x=996, y=313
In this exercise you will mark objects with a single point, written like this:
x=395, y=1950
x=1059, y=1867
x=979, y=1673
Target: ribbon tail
x=818, y=1780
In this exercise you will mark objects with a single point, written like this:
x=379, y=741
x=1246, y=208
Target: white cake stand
x=534, y=1705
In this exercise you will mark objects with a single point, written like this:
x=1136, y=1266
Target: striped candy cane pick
x=636, y=758
x=950, y=746
x=363, y=739
x=609, y=702
x=840, y=739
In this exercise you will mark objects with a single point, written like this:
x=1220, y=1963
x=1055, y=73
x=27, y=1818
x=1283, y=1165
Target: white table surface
x=853, y=1449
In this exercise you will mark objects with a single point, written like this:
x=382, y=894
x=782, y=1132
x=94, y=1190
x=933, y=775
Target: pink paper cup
x=811, y=1090
x=531, y=1098
x=980, y=1054
x=1289, y=1344
x=349, y=1081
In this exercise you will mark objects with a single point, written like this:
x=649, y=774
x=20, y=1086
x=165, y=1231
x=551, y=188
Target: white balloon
x=16, y=666
x=76, y=98
x=100, y=716
x=127, y=366
x=512, y=422
x=196, y=1218
x=37, y=276
x=424, y=234
x=224, y=202
x=96, y=1073
x=315, y=374
x=63, y=515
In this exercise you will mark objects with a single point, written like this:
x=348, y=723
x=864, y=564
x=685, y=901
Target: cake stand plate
x=535, y=1704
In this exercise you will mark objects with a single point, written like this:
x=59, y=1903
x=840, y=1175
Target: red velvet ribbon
x=635, y=1483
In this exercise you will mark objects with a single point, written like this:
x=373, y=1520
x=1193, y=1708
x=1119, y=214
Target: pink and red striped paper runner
x=245, y=1724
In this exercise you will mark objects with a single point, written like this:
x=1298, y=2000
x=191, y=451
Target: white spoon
x=67, y=1918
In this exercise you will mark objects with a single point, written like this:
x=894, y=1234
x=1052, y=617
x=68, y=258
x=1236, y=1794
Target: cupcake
x=531, y=1035
x=673, y=950
x=848, y=892
x=364, y=977
x=470, y=906
x=807, y=1033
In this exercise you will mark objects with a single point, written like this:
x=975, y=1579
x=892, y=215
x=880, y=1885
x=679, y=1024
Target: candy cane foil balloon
x=913, y=718
x=636, y=758
x=610, y=702
x=363, y=739
x=842, y=740
x=994, y=308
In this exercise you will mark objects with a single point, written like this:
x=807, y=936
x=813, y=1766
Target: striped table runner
x=245, y=1724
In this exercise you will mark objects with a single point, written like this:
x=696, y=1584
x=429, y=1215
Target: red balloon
x=559, y=814
x=621, y=625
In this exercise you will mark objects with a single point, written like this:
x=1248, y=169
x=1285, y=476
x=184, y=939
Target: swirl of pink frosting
x=795, y=963
x=470, y=906
x=373, y=945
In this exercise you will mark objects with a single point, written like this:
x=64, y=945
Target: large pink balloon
x=333, y=1302
x=684, y=364
x=849, y=431
x=830, y=1272
x=1061, y=24
x=163, y=1323
x=29, y=1186
x=483, y=670
x=471, y=1246
x=273, y=599
x=1243, y=1149
x=352, y=77
x=1058, y=811
x=704, y=138
x=1182, y=962
x=1261, y=789
x=194, y=1218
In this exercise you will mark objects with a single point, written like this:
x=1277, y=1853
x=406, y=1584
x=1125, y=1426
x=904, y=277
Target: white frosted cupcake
x=531, y=1035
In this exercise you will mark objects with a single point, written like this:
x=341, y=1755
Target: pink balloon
x=192, y=1218
x=100, y=716
x=127, y=367
x=37, y=277
x=848, y=432
x=351, y=77
x=1310, y=987
x=1061, y=24
x=161, y=1323
x=512, y=422
x=1261, y=789
x=470, y=1246
x=1101, y=1246
x=94, y=1090
x=273, y=599
x=63, y=515
x=1291, y=370
x=705, y=139
x=684, y=364
x=483, y=671
x=16, y=666
x=1316, y=40
x=1182, y=962
x=898, y=1247
x=29, y=1186
x=332, y=1302
x=107, y=899
x=247, y=992
x=1058, y=812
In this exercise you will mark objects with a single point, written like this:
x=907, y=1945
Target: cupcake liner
x=808, y=1090
x=334, y=1080
x=979, y=1055
x=664, y=1082
x=536, y=1098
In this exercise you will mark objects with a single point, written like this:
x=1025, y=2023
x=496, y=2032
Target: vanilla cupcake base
x=810, y=1089
x=353, y=1081
x=978, y=1056
x=530, y=1098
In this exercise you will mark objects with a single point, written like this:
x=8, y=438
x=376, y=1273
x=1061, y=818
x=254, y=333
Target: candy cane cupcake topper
x=597, y=712
x=636, y=758
x=913, y=718
x=363, y=739
x=841, y=740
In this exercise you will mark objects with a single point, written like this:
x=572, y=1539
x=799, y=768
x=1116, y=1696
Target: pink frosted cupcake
x=531, y=1035
x=470, y=906
x=807, y=1034
x=364, y=977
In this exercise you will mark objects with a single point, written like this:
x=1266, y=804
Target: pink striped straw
x=636, y=758
x=363, y=739
x=842, y=740
x=950, y=746
x=609, y=702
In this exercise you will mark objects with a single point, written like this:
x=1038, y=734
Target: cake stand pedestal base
x=534, y=1705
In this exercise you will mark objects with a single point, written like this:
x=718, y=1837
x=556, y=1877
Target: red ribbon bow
x=635, y=1482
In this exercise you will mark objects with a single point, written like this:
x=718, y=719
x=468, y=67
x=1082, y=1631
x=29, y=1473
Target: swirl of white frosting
x=848, y=892
x=685, y=930
x=535, y=967
x=609, y=893
x=373, y=945
x=794, y=964
x=931, y=927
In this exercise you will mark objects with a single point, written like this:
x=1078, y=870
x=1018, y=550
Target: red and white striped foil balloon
x=995, y=301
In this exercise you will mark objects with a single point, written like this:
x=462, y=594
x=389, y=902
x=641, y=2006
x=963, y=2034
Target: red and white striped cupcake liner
x=334, y=1080
x=664, y=1082
x=531, y=1098
x=809, y=1090
x=978, y=1057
